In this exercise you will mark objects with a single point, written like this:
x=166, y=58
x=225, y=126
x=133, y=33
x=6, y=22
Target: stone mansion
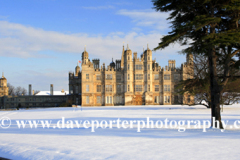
x=132, y=80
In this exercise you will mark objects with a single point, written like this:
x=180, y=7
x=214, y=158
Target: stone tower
x=148, y=75
x=128, y=70
x=3, y=86
x=77, y=70
x=122, y=58
x=85, y=56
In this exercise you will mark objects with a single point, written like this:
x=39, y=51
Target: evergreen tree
x=210, y=28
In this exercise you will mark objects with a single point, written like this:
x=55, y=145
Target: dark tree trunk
x=215, y=89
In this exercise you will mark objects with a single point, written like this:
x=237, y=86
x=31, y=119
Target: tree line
x=18, y=91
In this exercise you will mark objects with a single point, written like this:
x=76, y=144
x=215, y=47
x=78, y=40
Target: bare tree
x=199, y=84
x=23, y=91
x=18, y=91
x=11, y=90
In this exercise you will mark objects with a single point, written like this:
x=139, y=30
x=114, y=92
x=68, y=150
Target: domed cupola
x=84, y=56
x=77, y=69
x=112, y=64
x=3, y=81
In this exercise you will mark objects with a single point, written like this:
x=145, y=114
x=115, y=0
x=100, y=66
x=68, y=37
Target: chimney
x=51, y=89
x=30, y=90
x=33, y=92
x=135, y=55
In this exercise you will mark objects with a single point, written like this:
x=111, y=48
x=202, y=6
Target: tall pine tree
x=209, y=27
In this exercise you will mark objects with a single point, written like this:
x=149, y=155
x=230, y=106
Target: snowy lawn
x=118, y=143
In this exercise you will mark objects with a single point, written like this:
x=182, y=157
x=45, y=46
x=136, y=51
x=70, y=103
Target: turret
x=3, y=81
x=148, y=68
x=127, y=58
x=84, y=56
x=77, y=69
x=128, y=54
x=3, y=86
x=148, y=54
x=112, y=64
x=128, y=70
x=122, y=59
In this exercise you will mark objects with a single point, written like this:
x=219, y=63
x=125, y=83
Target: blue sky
x=42, y=40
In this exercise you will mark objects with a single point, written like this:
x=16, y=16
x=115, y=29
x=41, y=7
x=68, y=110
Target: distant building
x=41, y=99
x=3, y=86
x=129, y=81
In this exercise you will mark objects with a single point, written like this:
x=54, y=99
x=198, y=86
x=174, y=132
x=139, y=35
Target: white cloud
x=151, y=18
x=99, y=7
x=123, y=3
x=17, y=40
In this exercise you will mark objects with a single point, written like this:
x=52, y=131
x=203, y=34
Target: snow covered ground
x=118, y=143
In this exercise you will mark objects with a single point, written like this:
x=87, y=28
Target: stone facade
x=130, y=81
